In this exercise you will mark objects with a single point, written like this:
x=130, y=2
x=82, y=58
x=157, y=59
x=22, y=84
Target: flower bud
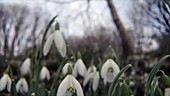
x=57, y=26
x=125, y=91
x=166, y=81
x=70, y=70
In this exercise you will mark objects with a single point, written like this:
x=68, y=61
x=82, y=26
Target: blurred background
x=138, y=31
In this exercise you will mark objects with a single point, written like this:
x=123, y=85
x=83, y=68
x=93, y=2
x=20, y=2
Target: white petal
x=91, y=69
x=48, y=44
x=65, y=68
x=18, y=85
x=105, y=80
x=3, y=81
x=44, y=73
x=9, y=84
x=80, y=67
x=48, y=75
x=110, y=76
x=60, y=43
x=114, y=66
x=96, y=81
x=105, y=67
x=25, y=85
x=167, y=92
x=22, y=86
x=87, y=78
x=63, y=86
x=78, y=87
x=75, y=71
x=25, y=68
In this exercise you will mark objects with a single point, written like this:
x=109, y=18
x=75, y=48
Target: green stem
x=90, y=88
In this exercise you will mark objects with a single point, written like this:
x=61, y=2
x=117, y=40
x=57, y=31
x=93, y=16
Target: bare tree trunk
x=126, y=41
x=5, y=49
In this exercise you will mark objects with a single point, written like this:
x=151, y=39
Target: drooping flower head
x=109, y=70
x=59, y=42
x=91, y=69
x=44, y=73
x=26, y=66
x=79, y=68
x=65, y=68
x=22, y=86
x=5, y=82
x=69, y=86
x=95, y=77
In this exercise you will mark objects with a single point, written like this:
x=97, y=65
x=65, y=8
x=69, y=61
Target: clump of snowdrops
x=108, y=72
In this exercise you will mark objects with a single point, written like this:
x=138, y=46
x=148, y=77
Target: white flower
x=95, y=77
x=59, y=43
x=69, y=86
x=90, y=70
x=22, y=86
x=44, y=73
x=65, y=68
x=79, y=68
x=5, y=82
x=167, y=92
x=26, y=66
x=109, y=70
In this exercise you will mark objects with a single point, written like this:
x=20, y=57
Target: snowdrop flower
x=58, y=41
x=65, y=68
x=22, y=86
x=167, y=92
x=5, y=82
x=44, y=73
x=69, y=86
x=26, y=66
x=109, y=70
x=79, y=68
x=90, y=70
x=95, y=77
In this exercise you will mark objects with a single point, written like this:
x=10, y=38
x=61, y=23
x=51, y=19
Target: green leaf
x=115, y=81
x=153, y=73
x=158, y=91
x=154, y=85
x=13, y=89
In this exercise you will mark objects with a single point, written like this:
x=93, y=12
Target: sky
x=73, y=16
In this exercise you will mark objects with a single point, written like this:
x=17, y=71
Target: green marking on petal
x=70, y=91
x=110, y=69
